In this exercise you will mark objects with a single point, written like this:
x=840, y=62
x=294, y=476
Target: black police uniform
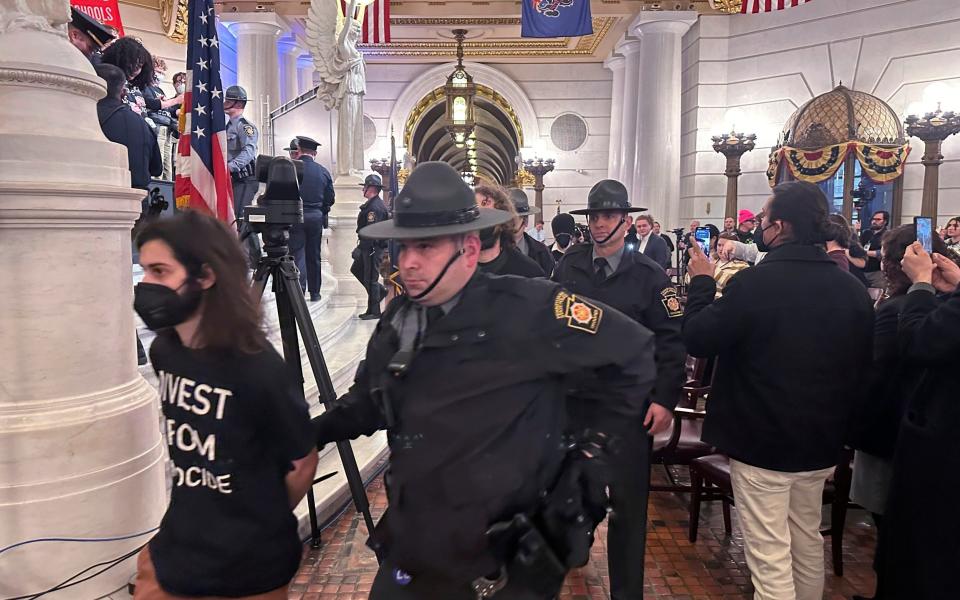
x=640, y=289
x=371, y=251
x=528, y=246
x=471, y=395
x=318, y=196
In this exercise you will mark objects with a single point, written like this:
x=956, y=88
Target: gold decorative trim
x=52, y=80
x=586, y=45
x=436, y=96
x=449, y=22
x=173, y=18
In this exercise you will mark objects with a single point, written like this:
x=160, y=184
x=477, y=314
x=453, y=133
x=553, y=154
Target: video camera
x=584, y=232
x=280, y=203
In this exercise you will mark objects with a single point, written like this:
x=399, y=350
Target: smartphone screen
x=924, y=227
x=703, y=238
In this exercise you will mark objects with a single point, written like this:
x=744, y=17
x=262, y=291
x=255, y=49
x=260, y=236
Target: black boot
x=373, y=304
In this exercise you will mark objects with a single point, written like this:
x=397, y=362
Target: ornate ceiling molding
x=586, y=45
x=437, y=96
x=173, y=19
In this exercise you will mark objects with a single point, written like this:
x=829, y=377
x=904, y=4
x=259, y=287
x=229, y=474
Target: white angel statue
x=333, y=44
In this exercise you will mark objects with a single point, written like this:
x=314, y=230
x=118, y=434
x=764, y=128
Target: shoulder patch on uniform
x=371, y=217
x=671, y=302
x=248, y=129
x=577, y=312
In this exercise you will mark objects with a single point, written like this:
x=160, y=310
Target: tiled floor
x=713, y=568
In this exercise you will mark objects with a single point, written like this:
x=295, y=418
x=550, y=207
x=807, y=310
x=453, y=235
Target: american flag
x=758, y=6
x=375, y=21
x=203, y=180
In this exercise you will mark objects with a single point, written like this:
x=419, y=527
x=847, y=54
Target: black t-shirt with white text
x=233, y=424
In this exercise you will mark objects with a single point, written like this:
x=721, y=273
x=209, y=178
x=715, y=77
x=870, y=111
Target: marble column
x=80, y=448
x=289, y=75
x=630, y=50
x=616, y=65
x=656, y=162
x=258, y=70
x=305, y=74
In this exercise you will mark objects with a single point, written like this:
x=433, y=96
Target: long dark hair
x=230, y=320
x=839, y=231
x=129, y=54
x=894, y=244
x=804, y=206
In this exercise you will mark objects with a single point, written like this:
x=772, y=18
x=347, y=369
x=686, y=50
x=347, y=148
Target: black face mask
x=161, y=307
x=488, y=237
x=762, y=246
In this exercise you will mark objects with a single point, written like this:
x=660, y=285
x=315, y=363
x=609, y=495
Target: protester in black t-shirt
x=235, y=419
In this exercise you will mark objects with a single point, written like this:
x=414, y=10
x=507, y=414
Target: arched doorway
x=499, y=135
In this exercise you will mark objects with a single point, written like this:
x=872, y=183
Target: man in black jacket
x=366, y=267
x=525, y=243
x=635, y=285
x=316, y=192
x=793, y=336
x=468, y=374
x=123, y=126
x=650, y=243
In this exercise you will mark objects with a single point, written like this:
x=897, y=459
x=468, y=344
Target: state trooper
x=468, y=374
x=242, y=137
x=525, y=243
x=371, y=251
x=318, y=196
x=638, y=287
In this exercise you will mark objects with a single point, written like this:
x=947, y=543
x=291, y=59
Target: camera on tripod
x=863, y=193
x=280, y=203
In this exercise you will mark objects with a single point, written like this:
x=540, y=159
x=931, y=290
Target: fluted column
x=289, y=76
x=630, y=49
x=258, y=69
x=616, y=64
x=304, y=74
x=656, y=163
x=80, y=447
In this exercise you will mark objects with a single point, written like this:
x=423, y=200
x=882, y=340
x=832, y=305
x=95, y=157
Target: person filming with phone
x=235, y=420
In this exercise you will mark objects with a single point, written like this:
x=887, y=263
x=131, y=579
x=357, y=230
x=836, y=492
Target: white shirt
x=643, y=242
x=537, y=234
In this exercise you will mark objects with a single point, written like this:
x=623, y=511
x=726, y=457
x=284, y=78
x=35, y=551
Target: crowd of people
x=521, y=385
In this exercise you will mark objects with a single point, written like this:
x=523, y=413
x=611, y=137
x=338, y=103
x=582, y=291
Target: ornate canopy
x=823, y=132
x=840, y=116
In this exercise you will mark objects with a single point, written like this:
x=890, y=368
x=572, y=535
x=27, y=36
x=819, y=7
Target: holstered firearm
x=245, y=171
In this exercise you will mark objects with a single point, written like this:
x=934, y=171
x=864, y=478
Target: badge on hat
x=671, y=302
x=577, y=312
x=248, y=129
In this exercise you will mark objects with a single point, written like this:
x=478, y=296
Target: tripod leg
x=259, y=280
x=292, y=309
x=314, y=526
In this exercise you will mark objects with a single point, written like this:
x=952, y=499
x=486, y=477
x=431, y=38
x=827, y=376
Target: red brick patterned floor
x=712, y=569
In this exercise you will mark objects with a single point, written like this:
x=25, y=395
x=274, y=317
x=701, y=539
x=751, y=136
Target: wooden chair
x=680, y=443
x=710, y=481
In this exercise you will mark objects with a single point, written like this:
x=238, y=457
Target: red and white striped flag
x=203, y=180
x=375, y=20
x=759, y=6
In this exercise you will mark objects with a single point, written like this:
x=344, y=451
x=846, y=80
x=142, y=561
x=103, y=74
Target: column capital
x=628, y=47
x=615, y=62
x=265, y=27
x=290, y=46
x=662, y=21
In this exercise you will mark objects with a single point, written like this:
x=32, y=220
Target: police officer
x=293, y=150
x=242, y=139
x=637, y=286
x=524, y=241
x=316, y=192
x=371, y=251
x=88, y=35
x=467, y=374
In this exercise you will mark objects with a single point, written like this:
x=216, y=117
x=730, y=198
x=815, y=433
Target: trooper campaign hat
x=372, y=180
x=97, y=31
x=434, y=202
x=235, y=93
x=607, y=195
x=522, y=203
x=293, y=146
x=309, y=144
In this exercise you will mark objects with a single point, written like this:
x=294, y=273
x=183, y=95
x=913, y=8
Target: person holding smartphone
x=918, y=549
x=236, y=423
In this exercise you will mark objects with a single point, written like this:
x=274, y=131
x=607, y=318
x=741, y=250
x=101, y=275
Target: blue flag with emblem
x=555, y=18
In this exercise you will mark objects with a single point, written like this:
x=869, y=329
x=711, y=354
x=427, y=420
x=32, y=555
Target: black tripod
x=293, y=314
x=681, y=264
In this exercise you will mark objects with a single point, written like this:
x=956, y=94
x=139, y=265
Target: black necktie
x=600, y=275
